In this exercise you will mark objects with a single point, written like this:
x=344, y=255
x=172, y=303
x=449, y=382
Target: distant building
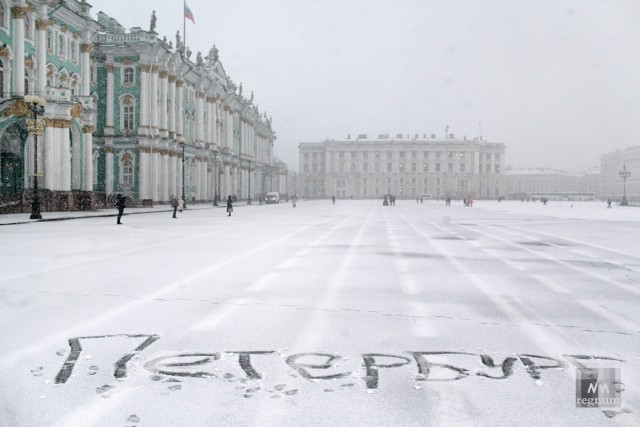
x=406, y=166
x=540, y=182
x=611, y=164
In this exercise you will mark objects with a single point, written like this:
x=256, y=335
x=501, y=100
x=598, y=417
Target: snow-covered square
x=350, y=313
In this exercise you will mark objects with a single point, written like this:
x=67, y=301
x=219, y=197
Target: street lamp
x=215, y=178
x=36, y=105
x=624, y=174
x=183, y=143
x=249, y=195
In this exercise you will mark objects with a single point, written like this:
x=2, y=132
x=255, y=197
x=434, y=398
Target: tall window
x=128, y=76
x=50, y=40
x=127, y=172
x=128, y=113
x=51, y=76
x=74, y=51
x=61, y=45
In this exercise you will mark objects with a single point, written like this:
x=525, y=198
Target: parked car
x=273, y=197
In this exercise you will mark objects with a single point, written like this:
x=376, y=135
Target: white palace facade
x=406, y=166
x=126, y=112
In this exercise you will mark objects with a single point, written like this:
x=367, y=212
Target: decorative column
x=18, y=14
x=143, y=173
x=49, y=156
x=172, y=174
x=172, y=107
x=108, y=127
x=143, y=126
x=210, y=120
x=227, y=182
x=108, y=176
x=164, y=126
x=179, y=108
x=200, y=117
x=41, y=55
x=87, y=138
x=65, y=157
x=85, y=65
x=153, y=108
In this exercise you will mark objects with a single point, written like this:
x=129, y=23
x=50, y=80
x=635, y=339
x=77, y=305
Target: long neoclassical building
x=406, y=166
x=122, y=109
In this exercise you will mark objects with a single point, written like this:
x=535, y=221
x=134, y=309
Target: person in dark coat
x=229, y=205
x=174, y=205
x=120, y=206
x=333, y=198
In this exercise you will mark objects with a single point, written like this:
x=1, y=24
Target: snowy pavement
x=345, y=314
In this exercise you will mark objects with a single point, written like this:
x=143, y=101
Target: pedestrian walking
x=180, y=204
x=608, y=203
x=229, y=205
x=333, y=198
x=120, y=205
x=293, y=200
x=174, y=205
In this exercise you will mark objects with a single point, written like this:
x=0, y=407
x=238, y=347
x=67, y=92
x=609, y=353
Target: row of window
x=461, y=155
x=401, y=168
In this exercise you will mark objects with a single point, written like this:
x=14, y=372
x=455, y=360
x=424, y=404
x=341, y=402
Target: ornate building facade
x=406, y=166
x=127, y=112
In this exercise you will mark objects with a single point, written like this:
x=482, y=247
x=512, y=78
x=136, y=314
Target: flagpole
x=184, y=23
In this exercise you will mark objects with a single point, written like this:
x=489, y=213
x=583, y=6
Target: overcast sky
x=558, y=81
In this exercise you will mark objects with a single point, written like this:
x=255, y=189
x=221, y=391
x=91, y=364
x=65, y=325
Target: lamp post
x=624, y=174
x=215, y=178
x=36, y=105
x=183, y=144
x=249, y=195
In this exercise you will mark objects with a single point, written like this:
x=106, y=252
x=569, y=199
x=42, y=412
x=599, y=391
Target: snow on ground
x=345, y=314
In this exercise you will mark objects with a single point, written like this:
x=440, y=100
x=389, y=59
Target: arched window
x=51, y=76
x=74, y=51
x=64, y=79
x=127, y=114
x=127, y=75
x=50, y=40
x=74, y=84
x=127, y=174
x=61, y=45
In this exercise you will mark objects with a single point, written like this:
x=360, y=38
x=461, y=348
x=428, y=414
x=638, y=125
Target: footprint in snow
x=37, y=372
x=133, y=418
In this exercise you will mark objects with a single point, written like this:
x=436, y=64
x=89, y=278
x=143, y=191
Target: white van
x=273, y=197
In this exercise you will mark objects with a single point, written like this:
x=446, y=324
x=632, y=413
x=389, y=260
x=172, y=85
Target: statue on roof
x=212, y=58
x=240, y=90
x=178, y=39
x=188, y=53
x=152, y=26
x=199, y=60
x=251, y=99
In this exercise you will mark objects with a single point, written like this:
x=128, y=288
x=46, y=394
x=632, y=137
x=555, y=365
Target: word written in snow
x=306, y=364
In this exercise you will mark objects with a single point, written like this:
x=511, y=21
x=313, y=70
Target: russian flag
x=187, y=13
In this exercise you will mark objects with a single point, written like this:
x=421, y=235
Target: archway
x=12, y=163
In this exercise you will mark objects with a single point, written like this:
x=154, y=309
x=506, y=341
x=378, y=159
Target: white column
x=154, y=100
x=18, y=13
x=108, y=175
x=143, y=126
x=108, y=127
x=172, y=111
x=179, y=112
x=172, y=182
x=41, y=55
x=143, y=174
x=227, y=182
x=65, y=157
x=85, y=64
x=178, y=170
x=76, y=163
x=164, y=176
x=87, y=184
x=49, y=156
x=155, y=180
x=200, y=117
x=164, y=126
